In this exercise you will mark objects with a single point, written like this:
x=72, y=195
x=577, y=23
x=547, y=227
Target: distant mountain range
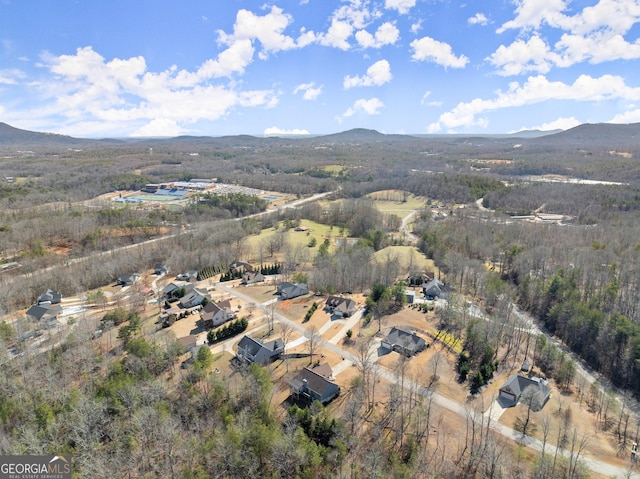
x=587, y=135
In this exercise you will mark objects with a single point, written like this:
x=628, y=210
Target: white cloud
x=522, y=56
x=370, y=107
x=428, y=49
x=423, y=100
x=403, y=6
x=594, y=34
x=310, y=91
x=352, y=16
x=338, y=35
x=478, y=19
x=160, y=127
x=631, y=116
x=386, y=34
x=531, y=14
x=274, y=130
x=536, y=90
x=416, y=27
x=562, y=123
x=377, y=74
x=124, y=95
x=615, y=16
x=267, y=29
x=596, y=48
x=11, y=76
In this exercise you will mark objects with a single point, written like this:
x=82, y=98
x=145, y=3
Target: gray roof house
x=511, y=391
x=175, y=285
x=193, y=298
x=404, y=342
x=160, y=269
x=255, y=351
x=341, y=306
x=251, y=277
x=128, y=279
x=314, y=384
x=288, y=290
x=43, y=312
x=215, y=314
x=50, y=296
x=190, y=275
x=433, y=289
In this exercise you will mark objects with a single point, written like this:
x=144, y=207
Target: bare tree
x=531, y=400
x=286, y=330
x=313, y=341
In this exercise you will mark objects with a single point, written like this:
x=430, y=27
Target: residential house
x=190, y=275
x=188, y=342
x=193, y=298
x=340, y=306
x=215, y=314
x=288, y=290
x=43, y=312
x=169, y=289
x=128, y=279
x=410, y=296
x=251, y=277
x=50, y=297
x=511, y=391
x=404, y=342
x=314, y=384
x=433, y=289
x=255, y=351
x=160, y=269
x=237, y=266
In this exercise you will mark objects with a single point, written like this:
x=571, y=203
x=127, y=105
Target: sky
x=140, y=68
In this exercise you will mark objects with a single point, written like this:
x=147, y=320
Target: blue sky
x=120, y=68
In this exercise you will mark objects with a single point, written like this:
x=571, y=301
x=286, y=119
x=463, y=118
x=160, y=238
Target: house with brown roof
x=314, y=384
x=340, y=306
x=215, y=314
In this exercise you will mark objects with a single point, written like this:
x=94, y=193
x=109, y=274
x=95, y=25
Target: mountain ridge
x=587, y=134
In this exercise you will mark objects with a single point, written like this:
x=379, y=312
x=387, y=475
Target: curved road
x=595, y=465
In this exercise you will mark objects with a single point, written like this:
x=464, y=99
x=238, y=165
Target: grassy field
x=392, y=202
x=315, y=230
x=403, y=253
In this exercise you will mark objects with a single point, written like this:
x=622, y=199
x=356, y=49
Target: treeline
x=579, y=281
x=587, y=203
x=239, y=204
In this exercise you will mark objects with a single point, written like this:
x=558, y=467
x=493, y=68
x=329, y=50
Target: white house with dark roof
x=50, y=297
x=215, y=314
x=43, y=312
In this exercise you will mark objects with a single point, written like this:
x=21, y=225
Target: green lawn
x=403, y=253
x=392, y=202
x=316, y=230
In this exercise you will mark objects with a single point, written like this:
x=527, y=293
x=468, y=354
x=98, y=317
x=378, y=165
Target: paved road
x=595, y=465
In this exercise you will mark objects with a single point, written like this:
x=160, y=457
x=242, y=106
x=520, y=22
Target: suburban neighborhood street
x=489, y=418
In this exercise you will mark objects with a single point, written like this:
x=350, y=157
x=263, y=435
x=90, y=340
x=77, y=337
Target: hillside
x=604, y=135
